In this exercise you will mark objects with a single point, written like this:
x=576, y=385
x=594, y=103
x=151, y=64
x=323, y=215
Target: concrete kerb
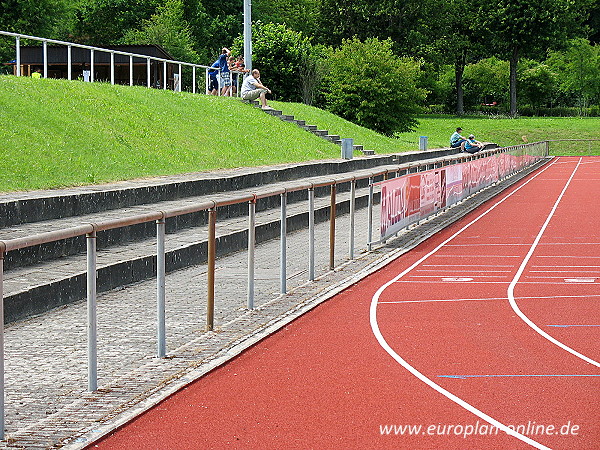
x=396, y=247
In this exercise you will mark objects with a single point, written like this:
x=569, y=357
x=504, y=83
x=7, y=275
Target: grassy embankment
x=57, y=133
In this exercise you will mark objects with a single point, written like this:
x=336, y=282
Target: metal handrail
x=53, y=236
x=93, y=49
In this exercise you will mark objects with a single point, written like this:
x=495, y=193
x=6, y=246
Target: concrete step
x=332, y=137
x=321, y=133
x=286, y=118
x=273, y=112
x=358, y=148
x=310, y=127
x=368, y=152
x=300, y=123
x=35, y=289
x=30, y=213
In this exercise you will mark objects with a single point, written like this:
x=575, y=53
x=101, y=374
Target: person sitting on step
x=252, y=88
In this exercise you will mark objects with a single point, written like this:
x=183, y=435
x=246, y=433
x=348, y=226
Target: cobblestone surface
x=47, y=402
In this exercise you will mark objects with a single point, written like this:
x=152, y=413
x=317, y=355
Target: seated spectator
x=473, y=146
x=456, y=139
x=252, y=88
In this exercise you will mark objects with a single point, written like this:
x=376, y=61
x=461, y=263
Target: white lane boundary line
x=383, y=343
x=511, y=287
x=553, y=297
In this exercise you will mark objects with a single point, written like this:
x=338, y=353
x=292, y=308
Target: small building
x=32, y=59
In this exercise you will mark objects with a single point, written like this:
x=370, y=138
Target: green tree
x=166, y=28
x=105, y=22
x=363, y=19
x=579, y=71
x=281, y=56
x=43, y=18
x=527, y=28
x=454, y=41
x=298, y=15
x=538, y=83
x=370, y=86
x=486, y=81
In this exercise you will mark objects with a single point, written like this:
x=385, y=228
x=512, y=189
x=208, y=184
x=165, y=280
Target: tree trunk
x=459, y=68
x=514, y=61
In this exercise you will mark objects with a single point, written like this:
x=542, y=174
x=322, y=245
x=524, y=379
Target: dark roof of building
x=57, y=54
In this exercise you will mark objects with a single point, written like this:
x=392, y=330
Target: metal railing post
x=91, y=312
x=370, y=216
x=18, y=55
x=2, y=345
x=332, y=217
x=91, y=65
x=352, y=211
x=283, y=245
x=180, y=79
x=193, y=79
x=69, y=63
x=311, y=234
x=45, y=52
x=210, y=296
x=164, y=75
x=130, y=70
x=160, y=289
x=251, y=246
x=148, y=83
x=112, y=68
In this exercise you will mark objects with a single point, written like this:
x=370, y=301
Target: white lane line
x=569, y=267
x=564, y=270
x=568, y=256
x=383, y=343
x=455, y=277
x=566, y=278
x=478, y=256
x=458, y=269
x=549, y=297
x=456, y=266
x=513, y=283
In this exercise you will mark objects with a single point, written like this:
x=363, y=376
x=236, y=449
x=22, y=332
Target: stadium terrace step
x=273, y=112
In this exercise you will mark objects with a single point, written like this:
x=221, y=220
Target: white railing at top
x=112, y=53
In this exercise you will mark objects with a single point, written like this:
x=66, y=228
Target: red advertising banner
x=412, y=197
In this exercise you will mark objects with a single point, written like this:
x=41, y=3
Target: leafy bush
x=367, y=84
x=281, y=55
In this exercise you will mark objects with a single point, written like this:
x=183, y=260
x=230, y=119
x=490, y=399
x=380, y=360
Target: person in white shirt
x=252, y=88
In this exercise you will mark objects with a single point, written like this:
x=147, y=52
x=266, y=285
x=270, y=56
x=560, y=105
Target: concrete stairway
x=47, y=276
x=336, y=139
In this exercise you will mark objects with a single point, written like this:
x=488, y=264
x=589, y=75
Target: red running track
x=490, y=326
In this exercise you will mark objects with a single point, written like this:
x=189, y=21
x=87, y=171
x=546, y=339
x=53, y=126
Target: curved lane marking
x=383, y=343
x=513, y=283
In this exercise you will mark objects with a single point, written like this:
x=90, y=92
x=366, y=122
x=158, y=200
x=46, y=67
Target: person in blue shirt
x=456, y=139
x=225, y=73
x=213, y=82
x=473, y=146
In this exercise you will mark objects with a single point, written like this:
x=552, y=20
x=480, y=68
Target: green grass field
x=57, y=133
